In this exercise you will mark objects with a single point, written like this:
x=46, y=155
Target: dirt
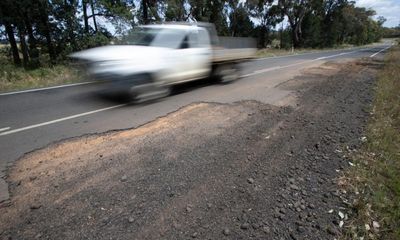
x=207, y=171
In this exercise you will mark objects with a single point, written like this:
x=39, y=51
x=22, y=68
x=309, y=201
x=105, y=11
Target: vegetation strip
x=374, y=181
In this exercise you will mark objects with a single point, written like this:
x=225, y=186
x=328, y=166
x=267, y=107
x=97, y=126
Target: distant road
x=34, y=119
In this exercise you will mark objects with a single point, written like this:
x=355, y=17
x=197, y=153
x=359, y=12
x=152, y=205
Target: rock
x=294, y=187
x=266, y=229
x=367, y=227
x=341, y=215
x=4, y=196
x=250, y=180
x=32, y=178
x=189, y=208
x=171, y=194
x=124, y=178
x=299, y=223
x=341, y=223
x=376, y=225
x=282, y=210
x=105, y=220
x=245, y=226
x=194, y=235
x=226, y=231
x=301, y=229
x=35, y=206
x=131, y=219
x=331, y=230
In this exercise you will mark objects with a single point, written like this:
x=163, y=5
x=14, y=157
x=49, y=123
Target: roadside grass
x=275, y=52
x=375, y=178
x=16, y=78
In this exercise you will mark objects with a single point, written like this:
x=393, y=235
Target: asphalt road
x=31, y=120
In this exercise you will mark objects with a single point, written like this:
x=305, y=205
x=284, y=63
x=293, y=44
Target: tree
x=267, y=14
x=7, y=11
x=295, y=11
x=176, y=11
x=240, y=24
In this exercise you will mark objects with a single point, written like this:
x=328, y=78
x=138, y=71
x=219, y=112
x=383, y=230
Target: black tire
x=226, y=73
x=144, y=89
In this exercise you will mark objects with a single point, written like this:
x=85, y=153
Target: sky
x=389, y=9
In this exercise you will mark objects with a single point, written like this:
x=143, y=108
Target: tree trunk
x=33, y=51
x=13, y=43
x=44, y=19
x=93, y=15
x=70, y=9
x=24, y=47
x=85, y=16
x=295, y=35
x=145, y=13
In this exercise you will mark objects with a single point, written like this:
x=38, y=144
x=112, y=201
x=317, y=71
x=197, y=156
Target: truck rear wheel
x=226, y=73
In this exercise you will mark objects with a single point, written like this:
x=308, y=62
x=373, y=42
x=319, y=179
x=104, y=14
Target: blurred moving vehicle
x=152, y=58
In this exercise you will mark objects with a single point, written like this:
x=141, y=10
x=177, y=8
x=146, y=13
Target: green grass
x=17, y=78
x=274, y=52
x=376, y=175
x=13, y=78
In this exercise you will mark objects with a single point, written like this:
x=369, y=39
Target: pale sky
x=389, y=9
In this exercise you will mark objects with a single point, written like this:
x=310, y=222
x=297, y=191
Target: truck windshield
x=157, y=37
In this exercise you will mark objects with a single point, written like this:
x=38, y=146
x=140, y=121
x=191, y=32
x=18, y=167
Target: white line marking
x=4, y=129
x=60, y=120
x=46, y=88
x=373, y=55
x=299, y=63
x=301, y=54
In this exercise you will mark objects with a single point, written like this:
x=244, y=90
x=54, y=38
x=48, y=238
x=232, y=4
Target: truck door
x=193, y=56
x=199, y=42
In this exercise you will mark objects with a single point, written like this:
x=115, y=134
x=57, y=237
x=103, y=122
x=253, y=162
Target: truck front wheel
x=144, y=89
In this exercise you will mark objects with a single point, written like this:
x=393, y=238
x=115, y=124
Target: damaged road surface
x=246, y=170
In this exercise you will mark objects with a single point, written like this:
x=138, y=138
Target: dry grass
x=375, y=179
x=13, y=78
x=17, y=78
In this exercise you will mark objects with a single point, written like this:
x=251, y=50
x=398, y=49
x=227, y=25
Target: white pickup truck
x=152, y=58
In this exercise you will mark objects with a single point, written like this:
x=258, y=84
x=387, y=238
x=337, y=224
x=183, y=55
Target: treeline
x=45, y=32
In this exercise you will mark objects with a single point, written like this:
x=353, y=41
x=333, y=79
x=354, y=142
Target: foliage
x=41, y=32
